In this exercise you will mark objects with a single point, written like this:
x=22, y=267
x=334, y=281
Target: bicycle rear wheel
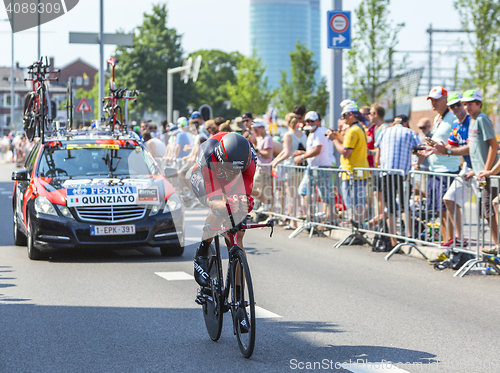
x=242, y=302
x=212, y=308
x=29, y=116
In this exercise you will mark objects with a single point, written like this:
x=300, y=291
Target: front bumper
x=53, y=233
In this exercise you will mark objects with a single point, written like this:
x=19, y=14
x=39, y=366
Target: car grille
x=111, y=214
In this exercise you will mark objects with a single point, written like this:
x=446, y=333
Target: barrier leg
x=398, y=247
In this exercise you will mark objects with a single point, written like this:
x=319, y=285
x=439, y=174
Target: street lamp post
x=12, y=76
x=11, y=72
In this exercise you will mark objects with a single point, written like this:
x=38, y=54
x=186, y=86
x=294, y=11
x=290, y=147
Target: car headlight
x=64, y=211
x=173, y=203
x=43, y=206
x=154, y=210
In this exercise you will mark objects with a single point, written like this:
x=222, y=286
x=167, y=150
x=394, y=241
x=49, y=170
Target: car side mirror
x=170, y=172
x=21, y=175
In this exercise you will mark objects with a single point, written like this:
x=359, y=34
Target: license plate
x=105, y=230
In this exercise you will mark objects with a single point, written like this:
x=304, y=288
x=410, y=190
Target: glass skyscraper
x=275, y=28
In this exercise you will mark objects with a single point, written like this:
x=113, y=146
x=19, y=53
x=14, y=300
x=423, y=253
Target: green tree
x=217, y=69
x=482, y=16
x=251, y=91
x=144, y=66
x=372, y=50
x=302, y=87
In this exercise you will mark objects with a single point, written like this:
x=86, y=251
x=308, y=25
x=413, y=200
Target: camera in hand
x=416, y=148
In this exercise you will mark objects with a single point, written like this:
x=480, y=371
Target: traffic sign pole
x=336, y=83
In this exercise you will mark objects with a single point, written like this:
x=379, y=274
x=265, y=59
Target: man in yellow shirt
x=353, y=154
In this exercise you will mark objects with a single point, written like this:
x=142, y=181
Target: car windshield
x=87, y=160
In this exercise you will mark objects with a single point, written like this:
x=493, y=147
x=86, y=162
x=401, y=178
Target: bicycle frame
x=231, y=234
x=112, y=105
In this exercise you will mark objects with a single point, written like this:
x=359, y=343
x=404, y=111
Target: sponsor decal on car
x=102, y=196
x=149, y=195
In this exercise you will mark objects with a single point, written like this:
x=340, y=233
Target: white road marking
x=367, y=367
x=2, y=188
x=175, y=276
x=196, y=212
x=6, y=192
x=130, y=252
x=195, y=239
x=261, y=313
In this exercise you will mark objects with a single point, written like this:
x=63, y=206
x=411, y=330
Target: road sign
x=93, y=38
x=339, y=30
x=83, y=106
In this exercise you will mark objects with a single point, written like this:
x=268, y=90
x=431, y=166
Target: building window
x=79, y=80
x=86, y=81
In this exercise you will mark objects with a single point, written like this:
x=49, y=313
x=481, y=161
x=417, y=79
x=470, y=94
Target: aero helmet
x=234, y=152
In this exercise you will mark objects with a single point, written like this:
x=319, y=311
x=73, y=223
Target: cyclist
x=222, y=180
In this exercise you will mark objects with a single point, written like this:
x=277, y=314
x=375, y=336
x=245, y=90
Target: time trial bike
x=112, y=106
x=235, y=293
x=38, y=109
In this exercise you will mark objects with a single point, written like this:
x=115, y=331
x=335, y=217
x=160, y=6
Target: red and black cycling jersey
x=208, y=180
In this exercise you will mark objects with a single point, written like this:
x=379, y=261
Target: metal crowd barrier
x=287, y=203
x=409, y=208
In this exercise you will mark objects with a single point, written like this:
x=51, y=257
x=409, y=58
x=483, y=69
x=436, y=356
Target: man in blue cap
x=196, y=116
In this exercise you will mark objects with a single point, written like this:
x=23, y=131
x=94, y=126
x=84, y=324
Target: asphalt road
x=320, y=308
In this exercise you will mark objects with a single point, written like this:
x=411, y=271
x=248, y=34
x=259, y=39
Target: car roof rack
x=63, y=134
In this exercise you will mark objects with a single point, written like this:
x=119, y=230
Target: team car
x=91, y=189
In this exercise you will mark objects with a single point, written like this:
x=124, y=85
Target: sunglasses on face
x=246, y=120
x=458, y=104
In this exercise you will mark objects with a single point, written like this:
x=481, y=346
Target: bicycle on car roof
x=38, y=112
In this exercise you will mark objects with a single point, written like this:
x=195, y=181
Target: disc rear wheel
x=212, y=308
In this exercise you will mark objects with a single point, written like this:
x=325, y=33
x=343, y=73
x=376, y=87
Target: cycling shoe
x=201, y=274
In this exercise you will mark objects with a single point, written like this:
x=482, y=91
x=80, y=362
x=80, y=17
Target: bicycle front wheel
x=212, y=307
x=242, y=303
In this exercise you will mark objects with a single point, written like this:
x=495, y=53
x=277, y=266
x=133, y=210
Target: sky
x=215, y=24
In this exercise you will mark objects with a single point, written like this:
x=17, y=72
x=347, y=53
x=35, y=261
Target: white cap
x=472, y=95
x=347, y=102
x=349, y=108
x=437, y=92
x=258, y=123
x=182, y=122
x=311, y=115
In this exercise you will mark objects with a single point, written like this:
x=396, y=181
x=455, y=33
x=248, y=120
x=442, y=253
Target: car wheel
x=172, y=250
x=19, y=237
x=33, y=252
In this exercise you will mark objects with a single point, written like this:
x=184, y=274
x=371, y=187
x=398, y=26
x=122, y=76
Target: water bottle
x=488, y=271
x=493, y=258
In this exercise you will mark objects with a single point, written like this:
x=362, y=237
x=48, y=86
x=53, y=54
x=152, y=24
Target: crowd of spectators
x=460, y=140
x=14, y=147
x=365, y=140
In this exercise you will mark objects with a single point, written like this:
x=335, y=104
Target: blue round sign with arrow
x=339, y=29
